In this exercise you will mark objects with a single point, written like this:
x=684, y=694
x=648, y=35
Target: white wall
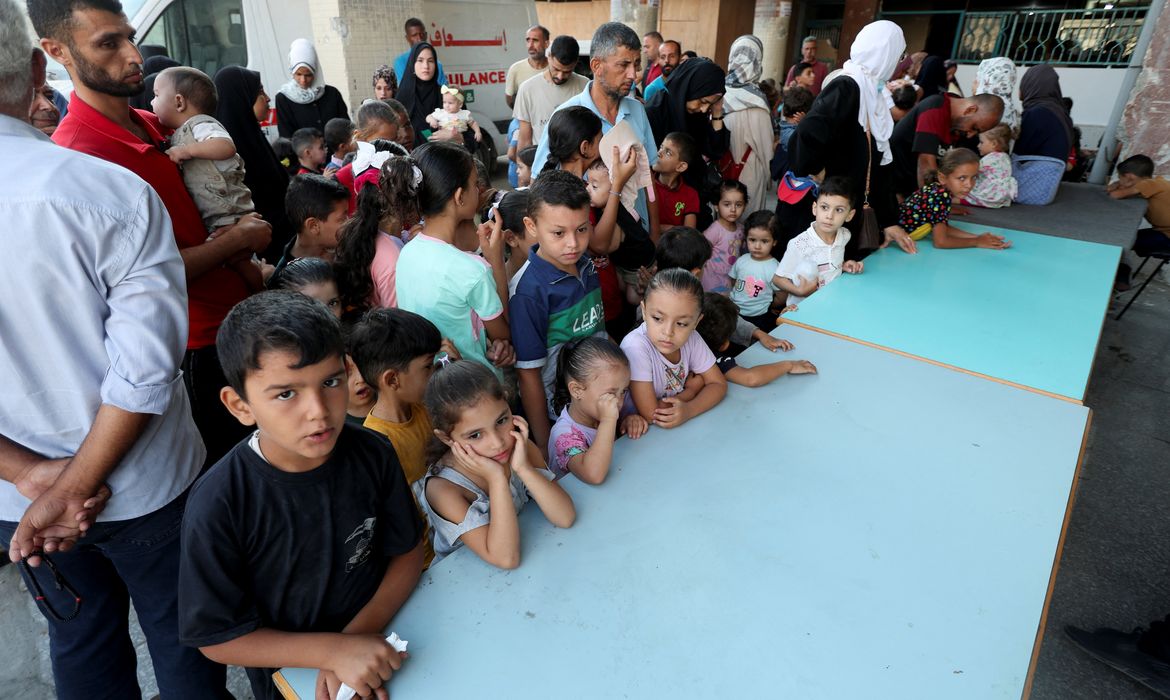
x=1093, y=91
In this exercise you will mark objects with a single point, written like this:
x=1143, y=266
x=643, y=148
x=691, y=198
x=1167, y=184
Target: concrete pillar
x=771, y=26
x=1145, y=126
x=642, y=15
x=858, y=13
x=353, y=38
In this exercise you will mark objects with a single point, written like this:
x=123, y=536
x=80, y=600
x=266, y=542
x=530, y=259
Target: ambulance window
x=207, y=35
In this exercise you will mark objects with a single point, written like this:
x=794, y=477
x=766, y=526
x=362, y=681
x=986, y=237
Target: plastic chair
x=1164, y=256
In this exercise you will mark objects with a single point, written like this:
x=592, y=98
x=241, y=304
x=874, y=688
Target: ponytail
x=355, y=249
x=579, y=360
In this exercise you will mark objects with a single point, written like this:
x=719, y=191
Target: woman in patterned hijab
x=997, y=76
x=748, y=118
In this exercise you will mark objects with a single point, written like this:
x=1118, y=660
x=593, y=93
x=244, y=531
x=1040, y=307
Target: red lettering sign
x=478, y=78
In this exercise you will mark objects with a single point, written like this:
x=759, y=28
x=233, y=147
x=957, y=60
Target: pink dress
x=995, y=187
x=382, y=269
x=725, y=247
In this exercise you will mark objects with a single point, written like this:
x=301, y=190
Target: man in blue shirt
x=615, y=48
x=416, y=32
x=669, y=56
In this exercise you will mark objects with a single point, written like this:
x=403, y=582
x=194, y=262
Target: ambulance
x=476, y=42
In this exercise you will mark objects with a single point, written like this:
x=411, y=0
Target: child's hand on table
x=634, y=426
x=671, y=412
x=772, y=343
x=853, y=267
x=802, y=367
x=363, y=662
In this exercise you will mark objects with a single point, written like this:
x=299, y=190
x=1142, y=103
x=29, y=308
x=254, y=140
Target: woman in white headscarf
x=305, y=100
x=997, y=76
x=832, y=141
x=749, y=121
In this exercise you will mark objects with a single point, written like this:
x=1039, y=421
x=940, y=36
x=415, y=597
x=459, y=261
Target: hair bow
x=449, y=90
x=417, y=175
x=369, y=157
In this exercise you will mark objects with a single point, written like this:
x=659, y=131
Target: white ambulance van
x=477, y=40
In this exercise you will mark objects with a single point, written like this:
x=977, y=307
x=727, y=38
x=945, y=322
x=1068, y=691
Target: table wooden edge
x=1072, y=497
x=937, y=363
x=285, y=688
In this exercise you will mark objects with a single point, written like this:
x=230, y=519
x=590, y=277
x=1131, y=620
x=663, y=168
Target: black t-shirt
x=924, y=129
x=725, y=363
x=293, y=552
x=636, y=249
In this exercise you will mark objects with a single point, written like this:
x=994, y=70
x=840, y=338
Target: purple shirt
x=649, y=365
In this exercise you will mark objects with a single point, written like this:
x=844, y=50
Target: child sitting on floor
x=483, y=468
x=994, y=186
x=307, y=501
x=665, y=352
x=396, y=350
x=716, y=326
x=184, y=101
x=928, y=210
x=816, y=257
x=593, y=376
x=726, y=236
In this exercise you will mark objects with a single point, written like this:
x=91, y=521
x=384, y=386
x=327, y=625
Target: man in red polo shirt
x=934, y=125
x=95, y=43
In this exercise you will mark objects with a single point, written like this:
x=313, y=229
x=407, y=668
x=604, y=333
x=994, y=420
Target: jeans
x=116, y=562
x=204, y=378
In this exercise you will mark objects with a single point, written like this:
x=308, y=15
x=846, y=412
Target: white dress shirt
x=93, y=310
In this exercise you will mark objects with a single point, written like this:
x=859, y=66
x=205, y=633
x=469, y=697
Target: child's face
x=298, y=412
x=326, y=293
x=523, y=174
x=831, y=212
x=361, y=395
x=315, y=155
x=326, y=232
x=164, y=103
x=610, y=380
x=731, y=204
x=486, y=427
x=1128, y=180
x=668, y=159
x=381, y=130
x=671, y=317
x=987, y=145
x=961, y=180
x=806, y=78
x=760, y=243
x=450, y=104
x=412, y=381
x=598, y=186
x=563, y=235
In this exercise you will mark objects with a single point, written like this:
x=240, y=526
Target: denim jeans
x=117, y=562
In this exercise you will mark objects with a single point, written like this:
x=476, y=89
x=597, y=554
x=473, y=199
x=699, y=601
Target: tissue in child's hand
x=347, y=693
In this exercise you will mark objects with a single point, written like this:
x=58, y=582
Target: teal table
x=885, y=529
x=1030, y=315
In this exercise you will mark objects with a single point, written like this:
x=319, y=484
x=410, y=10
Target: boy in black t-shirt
x=301, y=544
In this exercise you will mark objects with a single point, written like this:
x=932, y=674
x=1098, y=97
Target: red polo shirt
x=84, y=129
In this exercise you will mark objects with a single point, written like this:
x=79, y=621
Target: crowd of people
x=294, y=375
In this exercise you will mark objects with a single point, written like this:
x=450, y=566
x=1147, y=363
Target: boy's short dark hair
x=304, y=138
x=718, y=322
x=312, y=196
x=385, y=339
x=338, y=132
x=797, y=99
x=527, y=156
x=759, y=219
x=565, y=49
x=281, y=320
x=801, y=68
x=685, y=144
x=557, y=188
x=195, y=86
x=682, y=247
x=413, y=22
x=905, y=97
x=836, y=186
x=1139, y=165
x=52, y=18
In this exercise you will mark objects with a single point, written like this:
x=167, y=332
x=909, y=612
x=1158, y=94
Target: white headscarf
x=872, y=58
x=997, y=76
x=302, y=53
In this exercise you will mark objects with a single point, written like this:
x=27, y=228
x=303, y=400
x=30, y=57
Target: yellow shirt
x=410, y=442
x=1156, y=190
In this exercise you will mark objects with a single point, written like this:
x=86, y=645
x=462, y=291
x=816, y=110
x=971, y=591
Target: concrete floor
x=1116, y=559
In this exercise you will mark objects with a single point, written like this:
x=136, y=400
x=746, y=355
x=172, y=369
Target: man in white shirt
x=540, y=95
x=96, y=435
x=537, y=42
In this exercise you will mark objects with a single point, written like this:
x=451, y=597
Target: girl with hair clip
x=483, y=468
x=673, y=375
x=461, y=293
x=369, y=243
x=593, y=376
x=452, y=115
